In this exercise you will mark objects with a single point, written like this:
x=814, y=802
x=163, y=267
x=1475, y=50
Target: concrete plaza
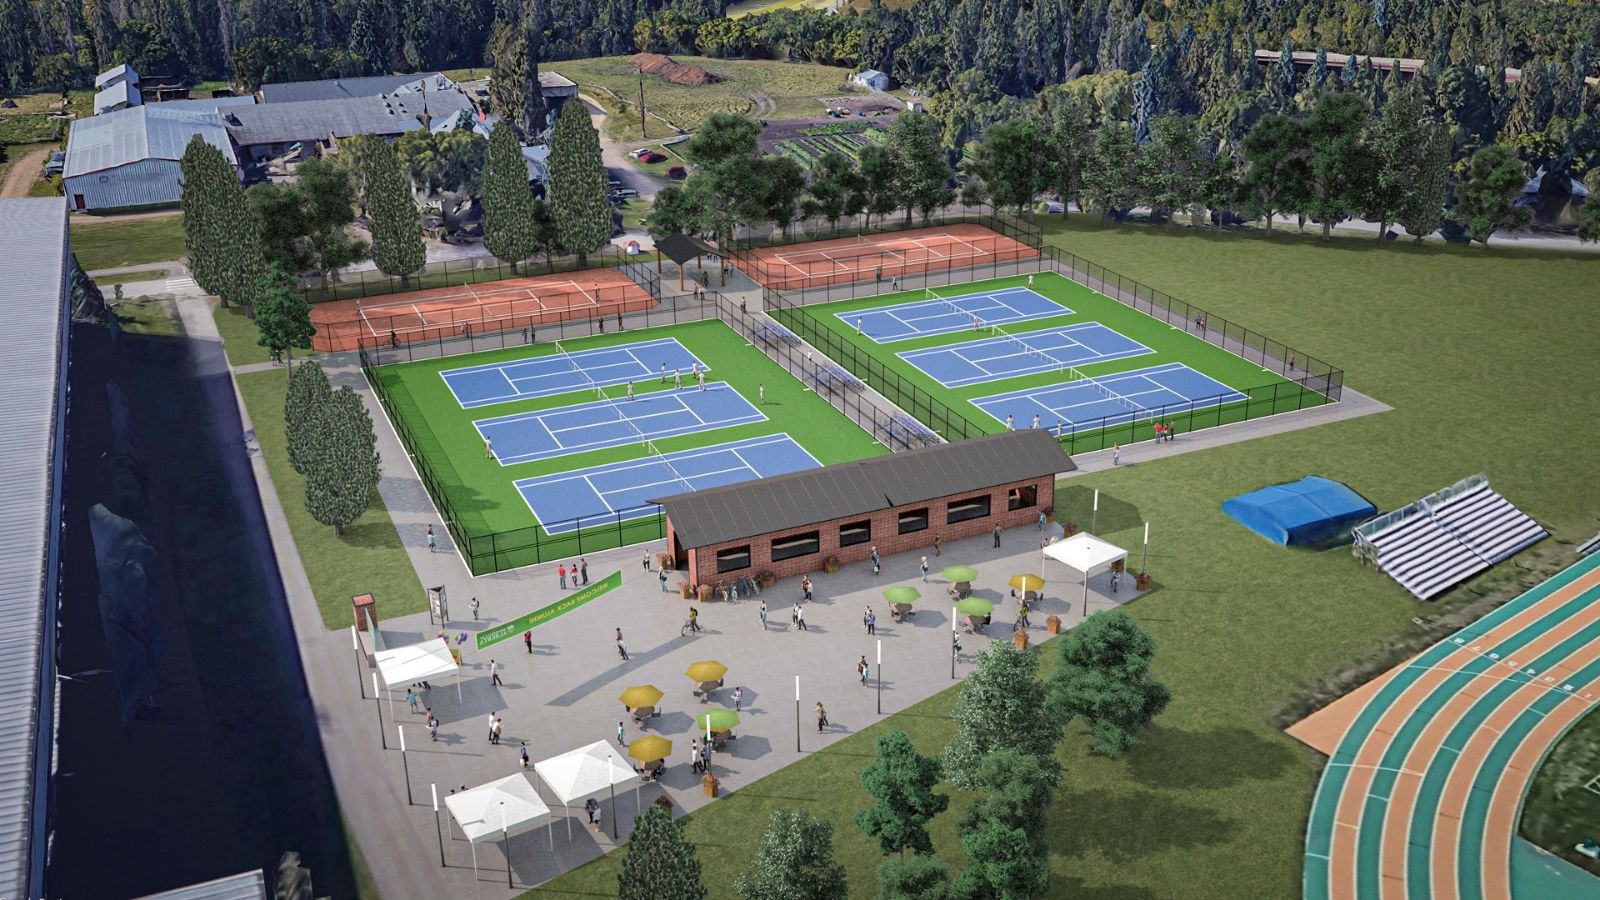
x=565, y=693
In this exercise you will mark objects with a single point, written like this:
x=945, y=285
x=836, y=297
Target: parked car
x=678, y=172
x=57, y=162
x=639, y=152
x=623, y=193
x=650, y=156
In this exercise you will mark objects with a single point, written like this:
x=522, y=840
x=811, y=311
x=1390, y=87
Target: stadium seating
x=1445, y=542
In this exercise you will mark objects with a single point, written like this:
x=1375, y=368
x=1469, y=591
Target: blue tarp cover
x=1307, y=511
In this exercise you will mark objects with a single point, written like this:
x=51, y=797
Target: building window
x=1022, y=497
x=914, y=520
x=796, y=545
x=855, y=532
x=733, y=559
x=963, y=510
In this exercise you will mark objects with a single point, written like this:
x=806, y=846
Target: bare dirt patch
x=664, y=68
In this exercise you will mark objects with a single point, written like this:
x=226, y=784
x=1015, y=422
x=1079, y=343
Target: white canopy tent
x=417, y=662
x=498, y=809
x=1086, y=554
x=586, y=772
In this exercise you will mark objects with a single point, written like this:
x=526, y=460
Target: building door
x=77, y=201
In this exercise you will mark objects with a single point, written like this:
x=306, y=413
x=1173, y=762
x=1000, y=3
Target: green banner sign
x=491, y=636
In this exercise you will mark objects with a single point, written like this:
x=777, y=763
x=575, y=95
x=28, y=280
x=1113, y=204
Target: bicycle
x=687, y=629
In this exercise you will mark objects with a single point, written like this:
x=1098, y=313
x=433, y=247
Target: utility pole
x=642, y=129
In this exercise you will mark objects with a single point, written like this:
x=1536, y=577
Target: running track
x=1422, y=796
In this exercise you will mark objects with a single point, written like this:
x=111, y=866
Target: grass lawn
x=106, y=281
x=1268, y=392
x=481, y=489
x=1485, y=354
x=112, y=243
x=1560, y=811
x=148, y=315
x=367, y=559
x=239, y=337
x=794, y=88
x=29, y=121
x=633, y=214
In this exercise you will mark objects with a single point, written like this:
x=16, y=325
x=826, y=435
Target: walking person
x=619, y=735
x=433, y=727
x=937, y=540
x=591, y=806
x=705, y=756
x=738, y=697
x=861, y=670
x=583, y=569
x=997, y=537
x=433, y=542
x=1116, y=454
x=677, y=380
x=499, y=726
x=822, y=717
x=647, y=560
x=663, y=373
x=858, y=326
x=694, y=755
x=805, y=588
x=874, y=558
x=491, y=727
x=794, y=616
x=523, y=752
x=527, y=640
x=488, y=449
x=473, y=605
x=494, y=674
x=561, y=572
x=1030, y=280
x=694, y=619
x=662, y=577
x=1022, y=616
x=412, y=700
x=870, y=620
x=1010, y=423
x=763, y=615
x=800, y=618
x=761, y=394
x=622, y=649
x=924, y=570
x=701, y=380
x=630, y=391
x=1041, y=520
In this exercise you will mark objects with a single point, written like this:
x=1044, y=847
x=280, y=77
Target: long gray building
x=130, y=157
x=33, y=367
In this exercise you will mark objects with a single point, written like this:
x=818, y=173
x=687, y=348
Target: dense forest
x=980, y=61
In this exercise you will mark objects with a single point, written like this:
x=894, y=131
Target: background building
x=130, y=157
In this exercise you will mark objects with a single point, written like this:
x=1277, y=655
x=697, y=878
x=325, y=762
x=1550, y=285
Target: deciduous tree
x=794, y=862
x=902, y=781
x=1110, y=175
x=1277, y=167
x=1486, y=200
x=921, y=172
x=283, y=315
x=1341, y=163
x=1002, y=705
x=1103, y=677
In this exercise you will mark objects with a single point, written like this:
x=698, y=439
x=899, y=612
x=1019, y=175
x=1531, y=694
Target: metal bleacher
x=1446, y=537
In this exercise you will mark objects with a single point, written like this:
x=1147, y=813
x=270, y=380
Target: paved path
x=1422, y=795
x=23, y=173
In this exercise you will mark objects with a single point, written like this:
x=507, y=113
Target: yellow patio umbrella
x=640, y=695
x=650, y=748
x=706, y=670
x=1028, y=582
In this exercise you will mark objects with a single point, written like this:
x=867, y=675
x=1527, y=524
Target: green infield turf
x=1268, y=392
x=480, y=491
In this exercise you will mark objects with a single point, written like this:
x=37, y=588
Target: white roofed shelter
x=1086, y=554
x=498, y=809
x=417, y=662
x=592, y=771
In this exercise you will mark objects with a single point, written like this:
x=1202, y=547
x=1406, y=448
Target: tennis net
x=928, y=294
x=1045, y=359
x=1139, y=412
x=600, y=392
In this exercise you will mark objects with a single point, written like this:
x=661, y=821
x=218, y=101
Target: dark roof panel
x=702, y=518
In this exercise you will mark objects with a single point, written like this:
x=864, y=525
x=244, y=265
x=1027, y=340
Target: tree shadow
x=1075, y=503
x=1131, y=825
x=1077, y=889
x=1223, y=757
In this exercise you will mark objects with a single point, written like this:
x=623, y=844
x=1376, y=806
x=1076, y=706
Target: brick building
x=795, y=523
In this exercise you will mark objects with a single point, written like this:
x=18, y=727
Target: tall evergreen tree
x=508, y=221
x=1589, y=212
x=1402, y=140
x=1423, y=208
x=1287, y=84
x=204, y=197
x=794, y=862
x=1002, y=705
x=1001, y=864
x=372, y=37
x=578, y=183
x=344, y=468
x=1486, y=200
x=507, y=77
x=532, y=113
x=308, y=393
x=902, y=781
x=1103, y=677
x=1317, y=78
x=397, y=245
x=17, y=36
x=283, y=315
x=660, y=862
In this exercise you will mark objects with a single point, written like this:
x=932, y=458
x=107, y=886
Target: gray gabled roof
x=346, y=88
x=314, y=120
x=703, y=518
x=143, y=132
x=32, y=356
x=123, y=71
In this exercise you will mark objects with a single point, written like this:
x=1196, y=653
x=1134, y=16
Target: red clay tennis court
x=394, y=319
x=879, y=256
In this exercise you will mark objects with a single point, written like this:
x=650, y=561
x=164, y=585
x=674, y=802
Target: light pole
x=880, y=676
x=611, y=777
x=377, y=699
x=953, y=639
x=1144, y=558
x=797, y=714
x=505, y=842
x=405, y=765
x=642, y=129
x=1095, y=515
x=434, y=789
x=355, y=644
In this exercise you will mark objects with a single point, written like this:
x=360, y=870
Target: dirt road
x=24, y=170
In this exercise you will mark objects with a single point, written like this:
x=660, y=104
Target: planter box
x=709, y=782
x=1020, y=639
x=1053, y=624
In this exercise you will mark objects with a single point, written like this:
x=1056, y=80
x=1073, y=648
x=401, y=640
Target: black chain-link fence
x=450, y=272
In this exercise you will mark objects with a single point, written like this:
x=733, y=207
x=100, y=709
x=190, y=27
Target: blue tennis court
x=1142, y=394
x=1026, y=353
x=573, y=500
x=946, y=315
x=528, y=436
x=563, y=373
